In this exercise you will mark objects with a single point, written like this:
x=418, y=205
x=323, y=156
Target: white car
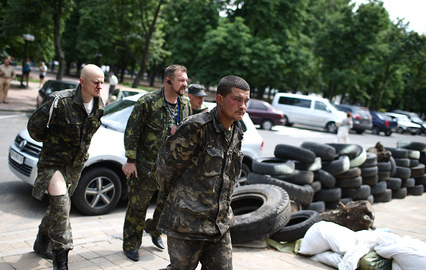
x=405, y=124
x=102, y=183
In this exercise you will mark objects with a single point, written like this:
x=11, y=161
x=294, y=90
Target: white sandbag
x=329, y=258
x=324, y=235
x=408, y=253
x=352, y=257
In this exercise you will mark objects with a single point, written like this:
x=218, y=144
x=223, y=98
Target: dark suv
x=51, y=86
x=383, y=123
x=361, y=117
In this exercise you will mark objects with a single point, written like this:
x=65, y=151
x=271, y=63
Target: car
x=404, y=124
x=262, y=113
x=119, y=94
x=361, y=118
x=51, y=86
x=102, y=183
x=383, y=123
x=414, y=117
x=309, y=110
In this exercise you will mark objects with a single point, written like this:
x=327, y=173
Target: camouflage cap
x=196, y=90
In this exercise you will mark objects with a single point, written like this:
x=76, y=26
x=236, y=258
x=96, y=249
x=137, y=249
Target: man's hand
x=129, y=168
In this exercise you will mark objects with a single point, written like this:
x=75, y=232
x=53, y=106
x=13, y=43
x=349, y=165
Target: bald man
x=73, y=122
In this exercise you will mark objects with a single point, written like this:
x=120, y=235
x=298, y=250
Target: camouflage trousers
x=141, y=192
x=185, y=254
x=56, y=223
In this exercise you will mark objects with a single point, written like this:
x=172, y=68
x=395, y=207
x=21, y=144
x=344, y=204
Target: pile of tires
x=319, y=177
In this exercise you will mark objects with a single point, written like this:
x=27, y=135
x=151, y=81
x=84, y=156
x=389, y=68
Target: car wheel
x=375, y=130
x=388, y=133
x=331, y=127
x=359, y=131
x=400, y=130
x=98, y=191
x=241, y=181
x=267, y=124
x=286, y=122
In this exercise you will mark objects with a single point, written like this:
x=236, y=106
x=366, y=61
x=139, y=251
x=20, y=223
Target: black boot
x=42, y=246
x=60, y=260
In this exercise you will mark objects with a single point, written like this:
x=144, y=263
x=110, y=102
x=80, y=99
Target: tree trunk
x=57, y=39
x=356, y=215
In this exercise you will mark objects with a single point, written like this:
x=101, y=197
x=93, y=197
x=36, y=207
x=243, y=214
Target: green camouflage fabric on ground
x=197, y=168
x=149, y=124
x=67, y=140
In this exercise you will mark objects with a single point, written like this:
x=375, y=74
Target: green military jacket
x=68, y=137
x=197, y=168
x=148, y=126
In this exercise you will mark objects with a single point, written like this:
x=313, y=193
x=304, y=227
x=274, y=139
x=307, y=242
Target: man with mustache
x=196, y=169
x=155, y=116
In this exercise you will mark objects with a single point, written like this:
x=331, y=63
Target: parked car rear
x=361, y=117
x=383, y=123
x=404, y=124
x=51, y=86
x=262, y=113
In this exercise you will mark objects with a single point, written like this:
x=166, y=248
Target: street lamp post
x=27, y=38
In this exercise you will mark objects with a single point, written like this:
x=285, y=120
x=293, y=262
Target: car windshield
x=116, y=115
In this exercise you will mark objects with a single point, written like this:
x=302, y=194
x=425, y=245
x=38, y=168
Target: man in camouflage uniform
x=155, y=116
x=196, y=96
x=71, y=124
x=196, y=169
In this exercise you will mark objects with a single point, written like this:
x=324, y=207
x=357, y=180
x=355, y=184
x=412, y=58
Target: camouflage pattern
x=185, y=254
x=67, y=139
x=56, y=224
x=203, y=108
x=149, y=124
x=197, y=167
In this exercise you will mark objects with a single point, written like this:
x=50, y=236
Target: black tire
x=325, y=152
x=360, y=193
x=393, y=166
x=372, y=180
x=419, y=146
x=394, y=183
x=354, y=182
x=296, y=228
x=421, y=180
x=285, y=151
x=369, y=171
x=414, y=163
x=400, y=193
x=417, y=171
x=400, y=130
x=302, y=194
x=316, y=186
x=259, y=210
x=378, y=188
x=331, y=127
x=337, y=166
x=242, y=179
x=370, y=161
x=298, y=177
x=351, y=173
x=417, y=190
x=370, y=199
x=384, y=166
x=388, y=133
x=410, y=182
x=413, y=154
x=267, y=124
x=375, y=130
x=314, y=166
x=272, y=166
x=328, y=195
x=402, y=162
x=318, y=206
x=383, y=176
x=98, y=191
x=327, y=180
x=398, y=152
x=286, y=122
x=350, y=150
x=386, y=196
x=402, y=172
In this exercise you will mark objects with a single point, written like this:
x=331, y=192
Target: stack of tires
x=382, y=191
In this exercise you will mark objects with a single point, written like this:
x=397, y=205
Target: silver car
x=102, y=183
